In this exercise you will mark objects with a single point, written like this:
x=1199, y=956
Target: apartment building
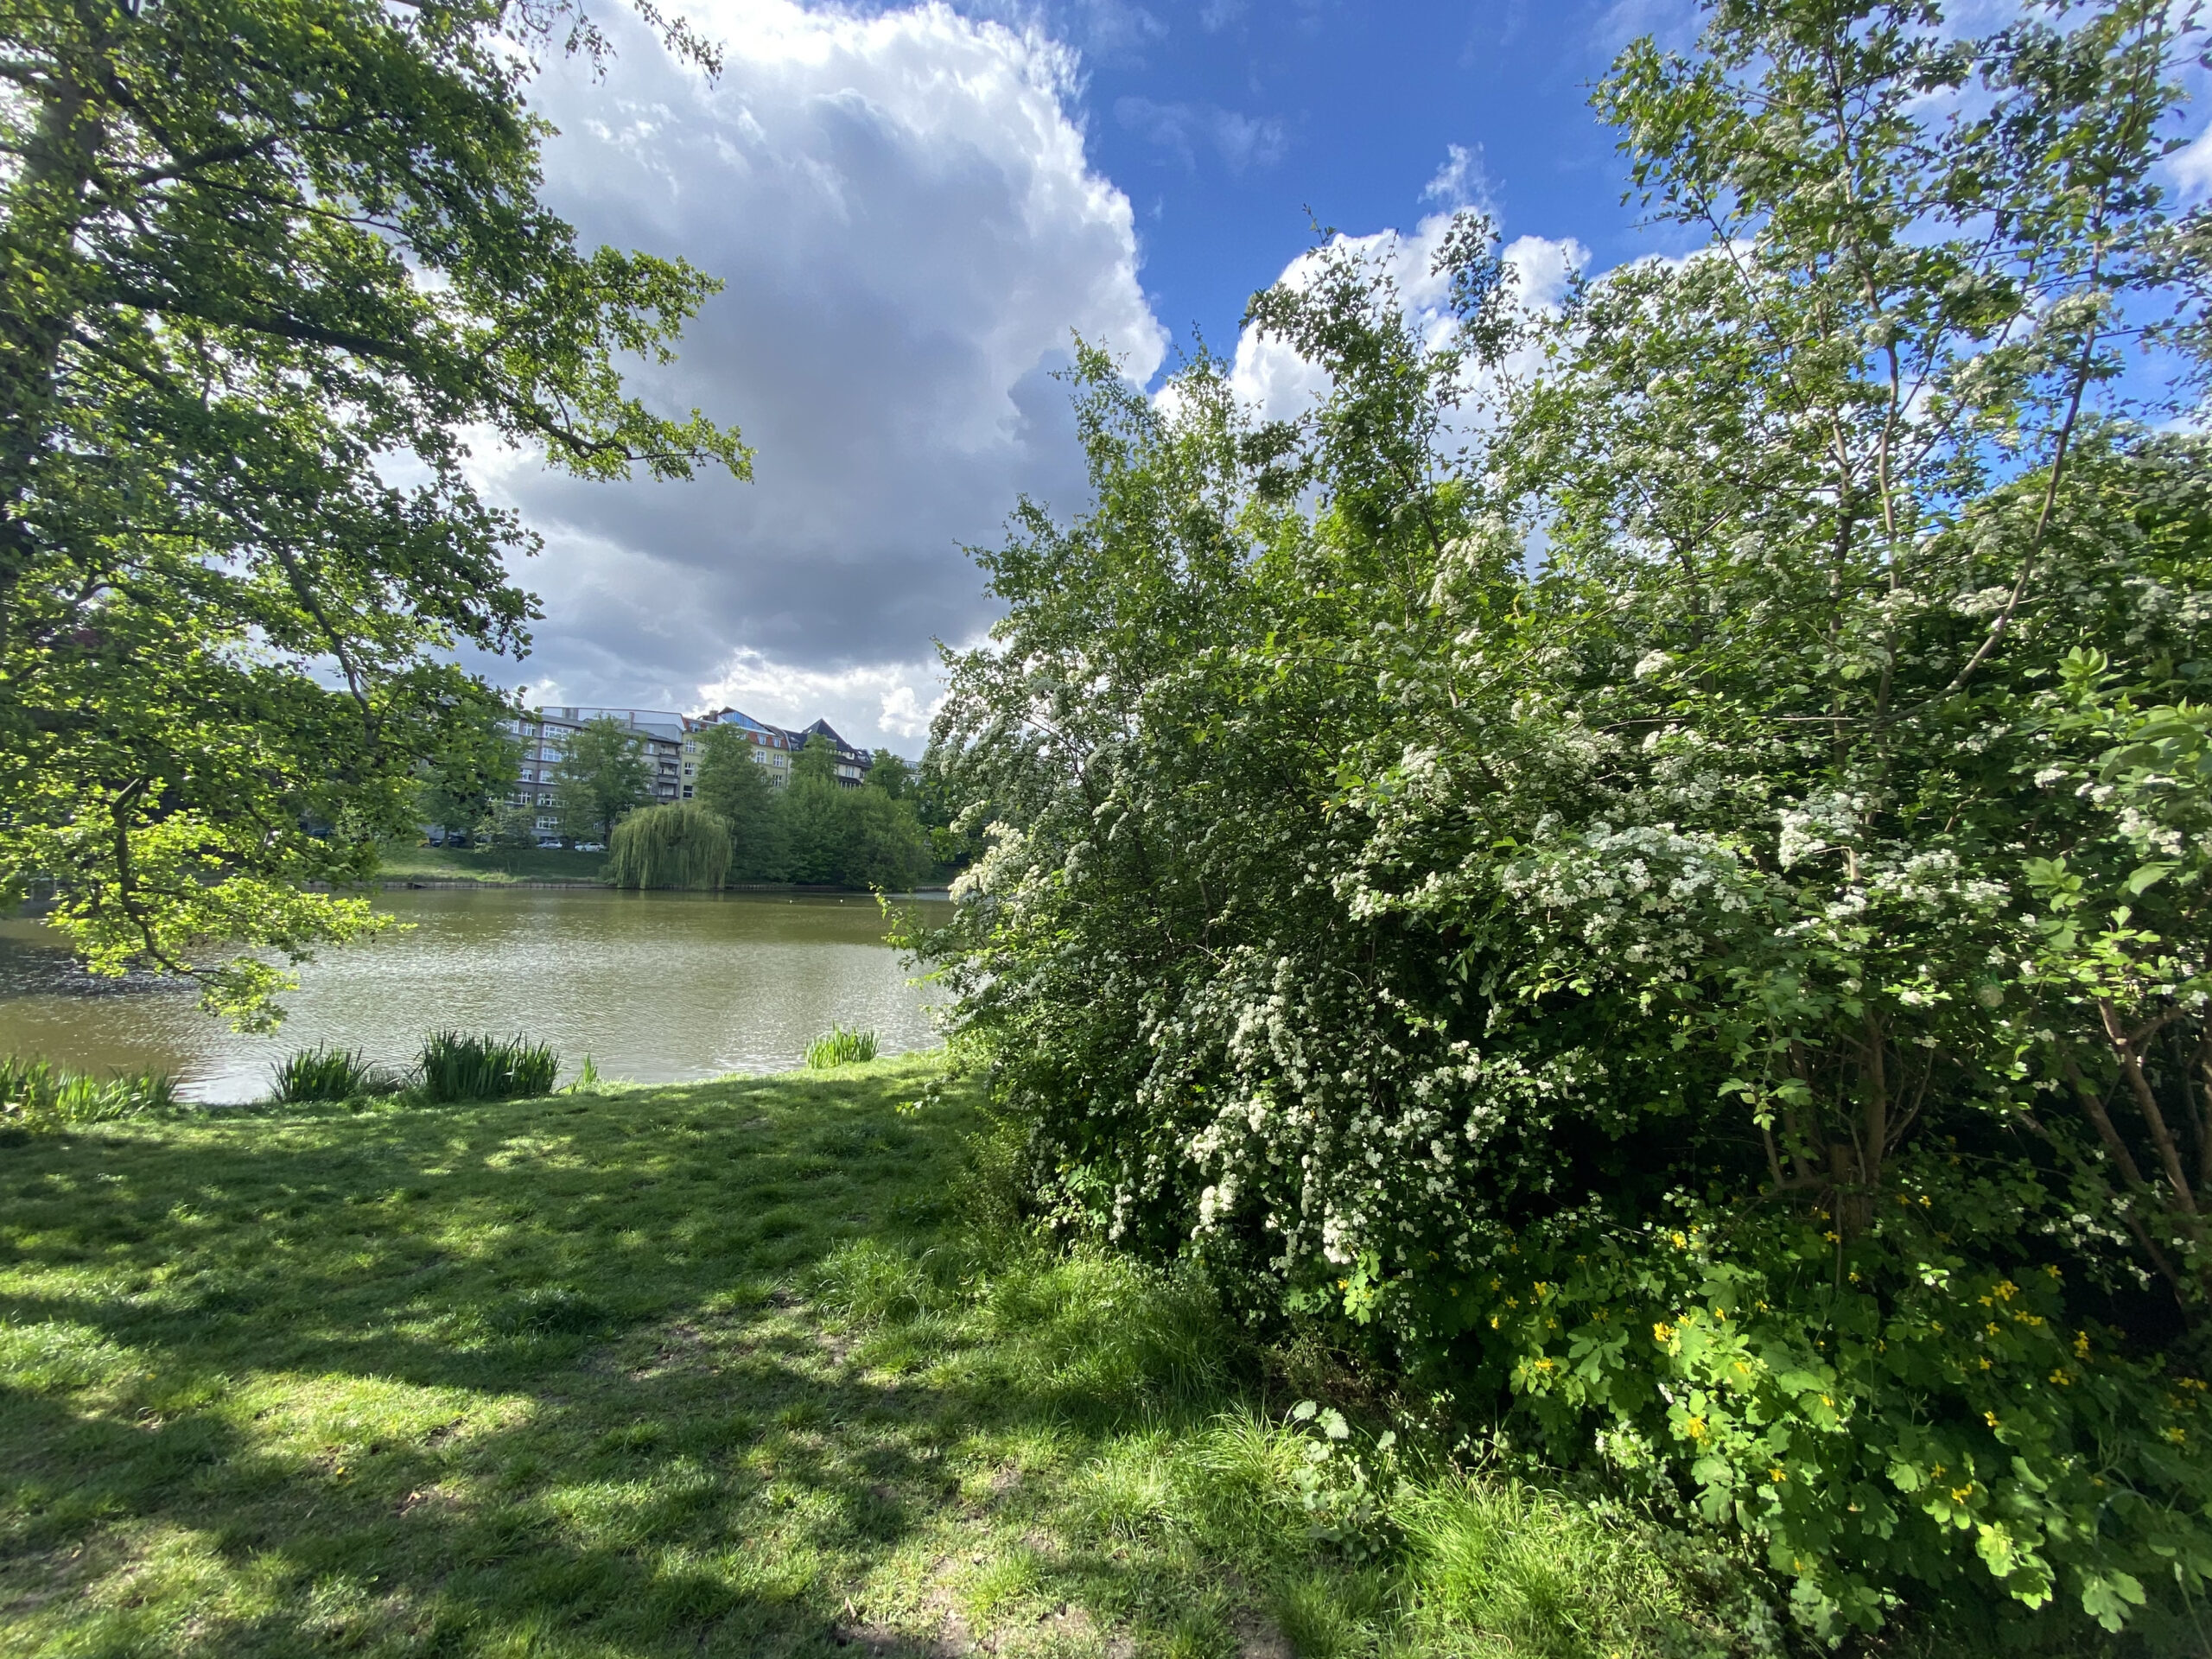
x=672, y=748
x=774, y=747
x=544, y=734
x=852, y=763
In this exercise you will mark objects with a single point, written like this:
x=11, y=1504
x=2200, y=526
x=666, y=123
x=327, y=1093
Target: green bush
x=38, y=1095
x=1671, y=906
x=840, y=1047
x=453, y=1066
x=328, y=1073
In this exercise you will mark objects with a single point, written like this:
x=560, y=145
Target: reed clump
x=454, y=1065
x=329, y=1073
x=838, y=1046
x=40, y=1095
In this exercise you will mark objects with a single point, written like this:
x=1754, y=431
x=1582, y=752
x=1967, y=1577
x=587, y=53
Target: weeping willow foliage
x=679, y=845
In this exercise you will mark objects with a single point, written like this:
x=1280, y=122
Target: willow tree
x=679, y=845
x=261, y=264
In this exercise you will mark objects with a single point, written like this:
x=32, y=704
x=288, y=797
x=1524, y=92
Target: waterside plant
x=1724, y=999
x=325, y=1072
x=838, y=1046
x=680, y=844
x=38, y=1095
x=455, y=1066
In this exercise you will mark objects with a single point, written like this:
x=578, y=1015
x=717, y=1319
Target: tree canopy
x=604, y=774
x=733, y=786
x=676, y=844
x=815, y=830
x=262, y=262
x=1646, y=862
x=463, y=786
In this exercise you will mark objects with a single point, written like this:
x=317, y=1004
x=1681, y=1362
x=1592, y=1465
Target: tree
x=815, y=762
x=817, y=815
x=508, y=826
x=890, y=773
x=261, y=260
x=735, y=787
x=604, y=774
x=884, y=845
x=1672, y=905
x=953, y=826
x=676, y=844
x=459, y=788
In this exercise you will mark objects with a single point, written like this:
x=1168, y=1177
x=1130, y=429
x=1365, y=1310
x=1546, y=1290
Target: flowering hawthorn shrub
x=1653, y=853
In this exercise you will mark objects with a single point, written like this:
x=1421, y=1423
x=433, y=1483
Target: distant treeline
x=814, y=829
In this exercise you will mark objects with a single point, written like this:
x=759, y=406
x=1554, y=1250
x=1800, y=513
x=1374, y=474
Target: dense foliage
x=462, y=1065
x=38, y=1095
x=814, y=829
x=463, y=791
x=262, y=262
x=604, y=776
x=676, y=844
x=1652, y=854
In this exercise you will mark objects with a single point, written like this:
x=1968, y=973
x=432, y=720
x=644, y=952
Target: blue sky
x=1234, y=125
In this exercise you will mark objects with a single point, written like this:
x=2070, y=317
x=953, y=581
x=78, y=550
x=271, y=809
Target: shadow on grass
x=538, y=1378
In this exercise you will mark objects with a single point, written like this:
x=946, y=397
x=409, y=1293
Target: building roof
x=663, y=725
x=654, y=722
x=822, y=728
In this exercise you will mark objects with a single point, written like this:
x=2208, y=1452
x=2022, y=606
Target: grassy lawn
x=744, y=1367
x=493, y=866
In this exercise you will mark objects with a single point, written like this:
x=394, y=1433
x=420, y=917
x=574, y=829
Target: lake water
x=655, y=988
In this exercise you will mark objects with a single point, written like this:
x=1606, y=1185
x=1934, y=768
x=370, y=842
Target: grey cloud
x=908, y=236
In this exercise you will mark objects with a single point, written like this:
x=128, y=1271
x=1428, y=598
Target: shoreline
x=794, y=889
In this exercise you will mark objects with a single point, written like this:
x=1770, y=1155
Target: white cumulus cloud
x=900, y=208
x=1268, y=374
x=874, y=704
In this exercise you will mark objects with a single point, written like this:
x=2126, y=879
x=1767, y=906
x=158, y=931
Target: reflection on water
x=655, y=987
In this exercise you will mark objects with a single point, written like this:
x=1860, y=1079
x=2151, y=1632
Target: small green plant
x=455, y=1066
x=38, y=1095
x=587, y=1079
x=327, y=1073
x=839, y=1046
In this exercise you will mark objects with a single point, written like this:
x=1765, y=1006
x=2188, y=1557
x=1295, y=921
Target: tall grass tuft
x=38, y=1095
x=327, y=1073
x=840, y=1047
x=455, y=1066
